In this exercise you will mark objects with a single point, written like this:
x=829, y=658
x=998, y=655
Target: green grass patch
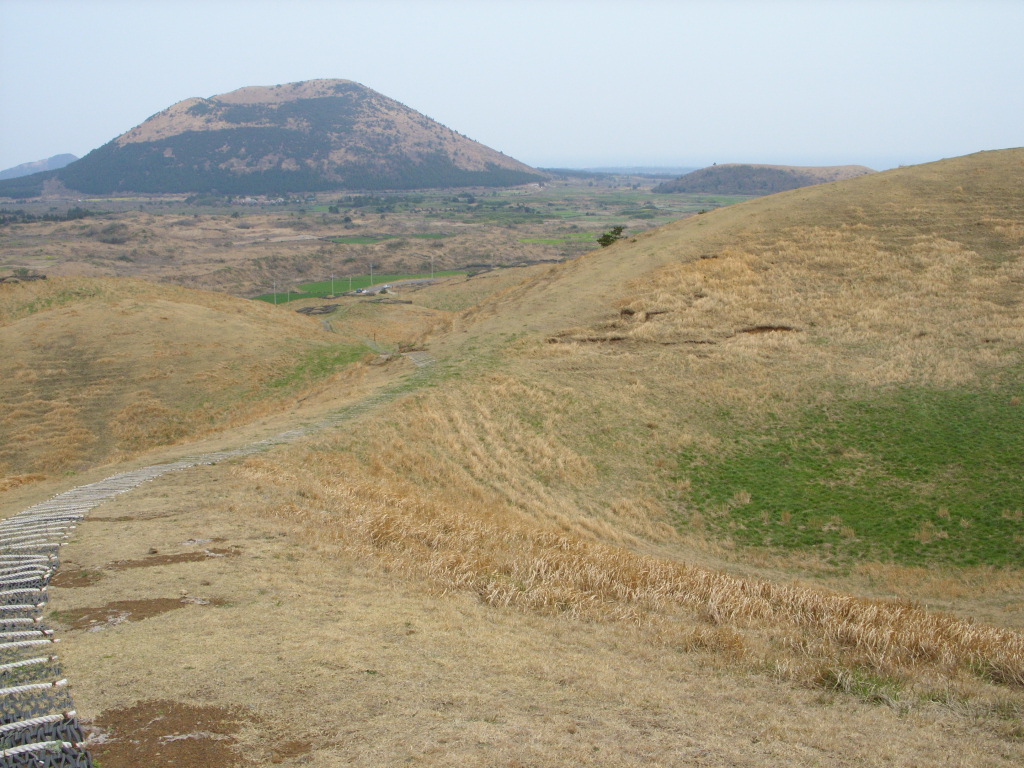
x=913, y=476
x=862, y=683
x=15, y=306
x=319, y=364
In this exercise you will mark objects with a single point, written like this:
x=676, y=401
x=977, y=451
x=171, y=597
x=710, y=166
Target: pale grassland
x=522, y=513
x=353, y=665
x=97, y=370
x=458, y=294
x=543, y=481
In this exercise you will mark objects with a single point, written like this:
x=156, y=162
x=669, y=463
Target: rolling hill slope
x=102, y=369
x=612, y=524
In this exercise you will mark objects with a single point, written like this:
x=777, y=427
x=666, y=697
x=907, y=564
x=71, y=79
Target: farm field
x=351, y=283
x=740, y=489
x=203, y=242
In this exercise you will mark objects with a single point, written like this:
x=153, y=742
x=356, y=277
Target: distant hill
x=307, y=136
x=643, y=170
x=744, y=179
x=27, y=169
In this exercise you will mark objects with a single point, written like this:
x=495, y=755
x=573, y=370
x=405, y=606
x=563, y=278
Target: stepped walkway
x=39, y=727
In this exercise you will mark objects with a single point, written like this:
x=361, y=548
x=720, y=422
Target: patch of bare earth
x=117, y=612
x=69, y=577
x=178, y=557
x=168, y=734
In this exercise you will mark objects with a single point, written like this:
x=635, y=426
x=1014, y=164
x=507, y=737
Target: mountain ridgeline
x=746, y=179
x=308, y=136
x=27, y=169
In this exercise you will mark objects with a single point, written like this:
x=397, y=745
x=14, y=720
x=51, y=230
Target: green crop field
x=342, y=284
x=319, y=363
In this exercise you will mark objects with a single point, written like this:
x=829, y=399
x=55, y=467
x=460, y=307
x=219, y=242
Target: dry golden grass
x=354, y=666
x=437, y=520
x=535, y=479
x=100, y=369
x=515, y=513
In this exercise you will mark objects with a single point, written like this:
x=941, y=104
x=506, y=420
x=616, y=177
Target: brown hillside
x=377, y=116
x=628, y=355
x=100, y=369
x=504, y=563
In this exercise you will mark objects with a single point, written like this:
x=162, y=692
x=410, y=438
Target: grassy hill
x=654, y=389
x=741, y=490
x=746, y=179
x=101, y=369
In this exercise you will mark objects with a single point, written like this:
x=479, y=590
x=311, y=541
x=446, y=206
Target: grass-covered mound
x=532, y=551
x=96, y=369
x=815, y=383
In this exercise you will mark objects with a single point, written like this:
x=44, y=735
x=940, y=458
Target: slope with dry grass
x=96, y=370
x=554, y=455
x=515, y=557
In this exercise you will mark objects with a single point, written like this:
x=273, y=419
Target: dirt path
x=38, y=718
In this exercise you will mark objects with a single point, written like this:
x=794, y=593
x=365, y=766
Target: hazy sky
x=571, y=83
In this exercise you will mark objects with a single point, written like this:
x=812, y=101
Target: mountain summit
x=311, y=135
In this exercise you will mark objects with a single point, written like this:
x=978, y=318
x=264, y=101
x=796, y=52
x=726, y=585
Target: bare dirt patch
x=71, y=578
x=289, y=750
x=118, y=612
x=180, y=557
x=767, y=329
x=168, y=734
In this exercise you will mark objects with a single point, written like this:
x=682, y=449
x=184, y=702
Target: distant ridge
x=27, y=169
x=306, y=136
x=748, y=179
x=643, y=170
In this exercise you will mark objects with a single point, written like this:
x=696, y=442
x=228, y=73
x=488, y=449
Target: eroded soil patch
x=168, y=734
x=117, y=612
x=768, y=329
x=180, y=557
x=288, y=750
x=71, y=577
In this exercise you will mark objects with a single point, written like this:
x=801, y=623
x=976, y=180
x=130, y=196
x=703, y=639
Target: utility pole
x=275, y=292
x=332, y=284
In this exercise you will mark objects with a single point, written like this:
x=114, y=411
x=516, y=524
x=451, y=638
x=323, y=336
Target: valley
x=244, y=248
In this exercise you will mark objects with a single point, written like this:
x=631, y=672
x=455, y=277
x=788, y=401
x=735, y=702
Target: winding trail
x=39, y=727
